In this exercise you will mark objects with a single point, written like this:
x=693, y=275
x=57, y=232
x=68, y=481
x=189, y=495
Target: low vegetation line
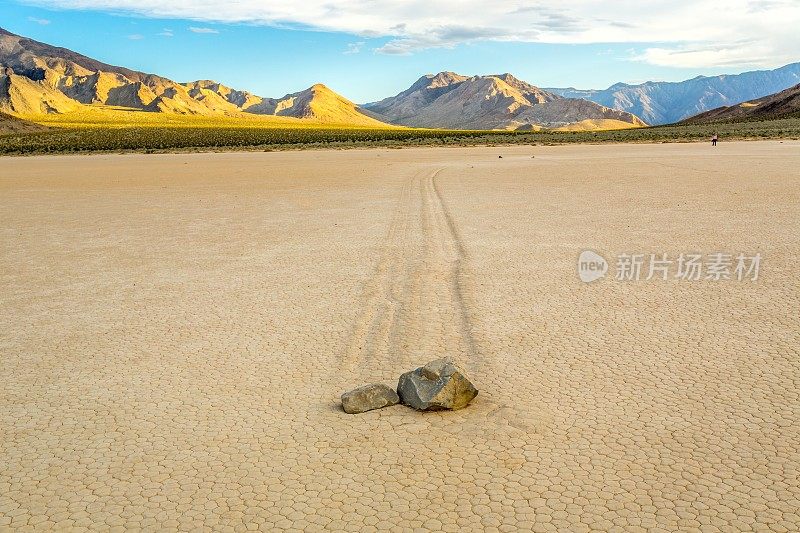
x=114, y=138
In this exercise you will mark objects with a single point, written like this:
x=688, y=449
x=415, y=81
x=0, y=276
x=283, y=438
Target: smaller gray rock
x=369, y=397
x=437, y=385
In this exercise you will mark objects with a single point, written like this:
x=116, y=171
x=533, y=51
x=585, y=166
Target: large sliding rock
x=369, y=397
x=435, y=386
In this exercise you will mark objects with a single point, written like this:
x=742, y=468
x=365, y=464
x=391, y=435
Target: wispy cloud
x=43, y=22
x=354, y=48
x=698, y=55
x=166, y=32
x=136, y=37
x=195, y=29
x=680, y=33
x=448, y=36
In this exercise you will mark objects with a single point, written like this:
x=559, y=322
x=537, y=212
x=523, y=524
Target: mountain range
x=660, y=102
x=38, y=79
x=501, y=101
x=785, y=104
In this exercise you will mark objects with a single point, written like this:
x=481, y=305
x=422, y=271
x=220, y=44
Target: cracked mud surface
x=175, y=331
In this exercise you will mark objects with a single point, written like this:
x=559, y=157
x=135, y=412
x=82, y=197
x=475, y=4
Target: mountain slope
x=9, y=124
x=667, y=102
x=318, y=103
x=321, y=103
x=20, y=95
x=39, y=79
x=450, y=100
x=785, y=104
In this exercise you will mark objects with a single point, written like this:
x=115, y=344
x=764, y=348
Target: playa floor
x=175, y=332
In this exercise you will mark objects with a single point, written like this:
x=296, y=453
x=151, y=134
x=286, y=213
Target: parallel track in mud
x=414, y=307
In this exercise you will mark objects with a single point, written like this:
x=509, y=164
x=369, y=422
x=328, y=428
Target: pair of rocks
x=436, y=386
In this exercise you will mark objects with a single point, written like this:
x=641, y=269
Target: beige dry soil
x=175, y=331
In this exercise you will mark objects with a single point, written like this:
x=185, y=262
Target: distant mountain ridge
x=667, y=102
x=785, y=104
x=36, y=79
x=500, y=101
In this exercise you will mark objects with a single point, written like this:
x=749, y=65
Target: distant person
x=714, y=140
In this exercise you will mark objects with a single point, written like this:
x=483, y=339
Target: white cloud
x=195, y=29
x=699, y=55
x=166, y=32
x=354, y=48
x=136, y=37
x=681, y=33
x=42, y=22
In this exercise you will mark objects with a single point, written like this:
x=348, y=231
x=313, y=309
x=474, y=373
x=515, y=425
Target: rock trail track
x=414, y=306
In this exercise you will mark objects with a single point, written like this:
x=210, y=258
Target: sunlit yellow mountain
x=38, y=79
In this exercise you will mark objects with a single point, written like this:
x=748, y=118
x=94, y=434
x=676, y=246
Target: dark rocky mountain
x=659, y=102
x=450, y=100
x=785, y=104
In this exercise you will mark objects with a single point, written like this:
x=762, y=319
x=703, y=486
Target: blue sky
x=366, y=58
